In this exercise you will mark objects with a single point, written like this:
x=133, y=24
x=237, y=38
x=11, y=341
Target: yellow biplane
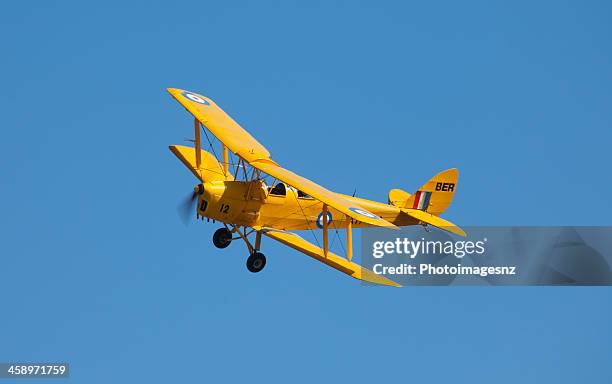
x=237, y=195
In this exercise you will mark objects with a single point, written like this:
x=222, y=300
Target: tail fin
x=434, y=196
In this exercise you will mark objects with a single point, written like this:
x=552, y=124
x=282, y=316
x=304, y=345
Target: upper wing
x=352, y=269
x=322, y=194
x=221, y=125
x=244, y=145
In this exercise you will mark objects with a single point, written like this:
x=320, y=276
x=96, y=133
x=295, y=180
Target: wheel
x=256, y=262
x=222, y=238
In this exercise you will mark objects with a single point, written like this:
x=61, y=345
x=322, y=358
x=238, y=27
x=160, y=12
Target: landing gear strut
x=256, y=262
x=222, y=238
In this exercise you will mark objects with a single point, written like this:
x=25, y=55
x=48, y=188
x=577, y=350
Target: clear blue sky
x=97, y=270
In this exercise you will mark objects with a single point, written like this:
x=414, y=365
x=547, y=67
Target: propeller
x=187, y=206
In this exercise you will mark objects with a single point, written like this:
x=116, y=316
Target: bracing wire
x=340, y=240
x=307, y=221
x=209, y=142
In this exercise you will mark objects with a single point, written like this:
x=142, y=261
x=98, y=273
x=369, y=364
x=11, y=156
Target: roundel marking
x=320, y=219
x=195, y=98
x=363, y=212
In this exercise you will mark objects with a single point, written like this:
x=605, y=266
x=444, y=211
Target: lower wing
x=343, y=265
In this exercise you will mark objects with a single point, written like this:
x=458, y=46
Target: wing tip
x=369, y=276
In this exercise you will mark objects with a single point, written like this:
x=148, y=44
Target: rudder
x=434, y=196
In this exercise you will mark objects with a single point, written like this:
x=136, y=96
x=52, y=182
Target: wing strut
x=325, y=236
x=349, y=238
x=349, y=234
x=196, y=126
x=225, y=160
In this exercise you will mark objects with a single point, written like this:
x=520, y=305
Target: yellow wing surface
x=220, y=124
x=209, y=170
x=436, y=221
x=343, y=265
x=244, y=145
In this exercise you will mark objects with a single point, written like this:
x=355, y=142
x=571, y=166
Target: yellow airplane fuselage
x=251, y=203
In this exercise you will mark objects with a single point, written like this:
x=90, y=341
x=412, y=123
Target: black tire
x=222, y=238
x=256, y=262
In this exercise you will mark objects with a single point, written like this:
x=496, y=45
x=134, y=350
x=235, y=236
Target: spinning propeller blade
x=187, y=206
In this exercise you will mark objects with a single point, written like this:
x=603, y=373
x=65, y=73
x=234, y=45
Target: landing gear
x=256, y=262
x=222, y=238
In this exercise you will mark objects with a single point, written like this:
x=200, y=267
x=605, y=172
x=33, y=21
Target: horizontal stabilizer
x=340, y=263
x=436, y=221
x=398, y=198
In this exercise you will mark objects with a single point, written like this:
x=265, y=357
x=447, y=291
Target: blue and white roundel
x=320, y=219
x=196, y=98
x=363, y=212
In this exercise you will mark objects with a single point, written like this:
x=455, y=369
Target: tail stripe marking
x=417, y=197
x=421, y=200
